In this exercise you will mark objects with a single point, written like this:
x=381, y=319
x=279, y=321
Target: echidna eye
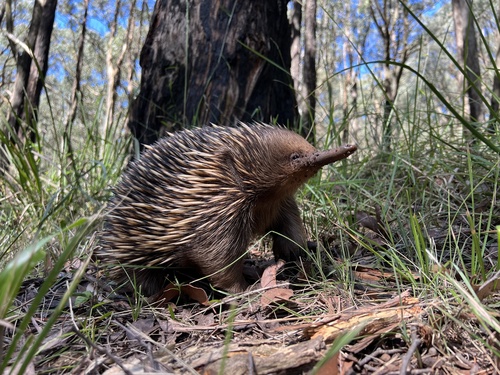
x=294, y=156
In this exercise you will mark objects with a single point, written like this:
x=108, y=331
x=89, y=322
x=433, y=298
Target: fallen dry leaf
x=198, y=294
x=372, y=274
x=275, y=295
x=330, y=367
x=268, y=278
x=171, y=291
x=488, y=287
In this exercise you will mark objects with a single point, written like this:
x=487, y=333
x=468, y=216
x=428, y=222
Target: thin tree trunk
x=20, y=92
x=133, y=51
x=386, y=17
x=39, y=65
x=32, y=65
x=114, y=68
x=6, y=11
x=467, y=50
x=350, y=87
x=308, y=111
x=75, y=90
x=295, y=23
x=214, y=61
x=495, y=96
x=9, y=25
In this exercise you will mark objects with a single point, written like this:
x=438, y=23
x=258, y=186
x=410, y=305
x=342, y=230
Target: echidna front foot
x=289, y=236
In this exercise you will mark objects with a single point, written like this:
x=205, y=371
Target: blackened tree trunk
x=31, y=69
x=214, y=61
x=32, y=65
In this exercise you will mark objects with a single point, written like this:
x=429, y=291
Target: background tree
x=392, y=23
x=303, y=66
x=354, y=39
x=307, y=104
x=32, y=65
x=495, y=95
x=468, y=55
x=76, y=87
x=114, y=65
x=296, y=47
x=214, y=62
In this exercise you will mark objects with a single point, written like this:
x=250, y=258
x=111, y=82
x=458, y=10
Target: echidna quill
x=197, y=198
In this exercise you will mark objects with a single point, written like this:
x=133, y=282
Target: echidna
x=195, y=200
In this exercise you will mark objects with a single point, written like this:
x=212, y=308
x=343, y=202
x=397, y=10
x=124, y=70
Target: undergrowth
x=50, y=199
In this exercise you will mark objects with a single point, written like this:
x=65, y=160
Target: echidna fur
x=196, y=198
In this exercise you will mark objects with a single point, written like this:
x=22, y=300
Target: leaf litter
x=281, y=328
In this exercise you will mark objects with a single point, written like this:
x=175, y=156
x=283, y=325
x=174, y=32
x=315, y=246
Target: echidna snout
x=196, y=199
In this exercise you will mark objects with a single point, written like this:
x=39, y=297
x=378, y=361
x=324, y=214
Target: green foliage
x=11, y=278
x=50, y=205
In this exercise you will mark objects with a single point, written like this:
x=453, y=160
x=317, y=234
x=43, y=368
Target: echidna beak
x=321, y=158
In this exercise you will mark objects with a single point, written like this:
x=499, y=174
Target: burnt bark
x=32, y=65
x=214, y=61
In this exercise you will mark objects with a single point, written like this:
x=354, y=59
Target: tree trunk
x=295, y=24
x=308, y=110
x=467, y=50
x=214, y=61
x=75, y=89
x=495, y=96
x=350, y=86
x=134, y=49
x=31, y=72
x=32, y=66
x=114, y=65
x=9, y=24
x=392, y=24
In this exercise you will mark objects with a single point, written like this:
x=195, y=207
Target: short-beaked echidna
x=197, y=198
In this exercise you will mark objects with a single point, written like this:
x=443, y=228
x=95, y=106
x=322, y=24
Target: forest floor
x=379, y=323
x=403, y=278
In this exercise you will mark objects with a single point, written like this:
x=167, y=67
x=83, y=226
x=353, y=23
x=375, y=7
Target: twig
x=252, y=369
x=407, y=357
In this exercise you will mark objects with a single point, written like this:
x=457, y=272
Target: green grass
x=50, y=209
